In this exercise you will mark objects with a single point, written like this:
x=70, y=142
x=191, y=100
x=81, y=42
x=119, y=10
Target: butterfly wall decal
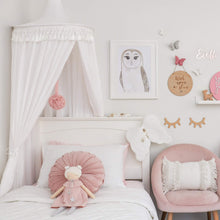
x=197, y=72
x=179, y=61
x=175, y=45
x=161, y=32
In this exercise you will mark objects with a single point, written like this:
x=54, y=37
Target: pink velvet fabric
x=93, y=172
x=191, y=197
x=183, y=153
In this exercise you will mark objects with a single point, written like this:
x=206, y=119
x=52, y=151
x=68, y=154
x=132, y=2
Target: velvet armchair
x=185, y=201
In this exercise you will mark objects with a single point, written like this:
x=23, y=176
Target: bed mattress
x=33, y=203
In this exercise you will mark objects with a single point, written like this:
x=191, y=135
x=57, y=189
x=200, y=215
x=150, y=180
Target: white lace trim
x=212, y=165
x=208, y=175
x=171, y=175
x=44, y=33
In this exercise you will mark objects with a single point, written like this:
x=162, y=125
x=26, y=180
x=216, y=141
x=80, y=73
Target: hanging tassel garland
x=57, y=101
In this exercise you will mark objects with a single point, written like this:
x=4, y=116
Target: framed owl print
x=133, y=70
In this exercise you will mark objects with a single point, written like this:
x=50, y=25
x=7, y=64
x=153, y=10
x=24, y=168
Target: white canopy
x=39, y=55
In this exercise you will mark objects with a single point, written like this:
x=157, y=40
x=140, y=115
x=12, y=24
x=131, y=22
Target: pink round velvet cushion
x=215, y=86
x=93, y=173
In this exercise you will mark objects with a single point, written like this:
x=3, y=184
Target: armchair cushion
x=191, y=197
x=178, y=176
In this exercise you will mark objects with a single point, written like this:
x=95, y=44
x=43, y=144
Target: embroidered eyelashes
x=177, y=122
x=200, y=123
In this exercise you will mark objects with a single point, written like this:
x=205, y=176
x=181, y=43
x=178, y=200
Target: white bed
x=130, y=202
x=33, y=203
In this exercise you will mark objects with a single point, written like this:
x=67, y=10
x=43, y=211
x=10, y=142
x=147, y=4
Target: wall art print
x=133, y=69
x=215, y=86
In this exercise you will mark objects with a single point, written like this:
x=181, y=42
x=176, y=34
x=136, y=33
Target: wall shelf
x=200, y=101
x=131, y=118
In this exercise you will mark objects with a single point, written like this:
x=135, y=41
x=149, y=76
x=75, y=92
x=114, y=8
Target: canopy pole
x=54, y=8
x=53, y=13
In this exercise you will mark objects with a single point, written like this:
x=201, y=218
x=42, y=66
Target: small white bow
x=140, y=138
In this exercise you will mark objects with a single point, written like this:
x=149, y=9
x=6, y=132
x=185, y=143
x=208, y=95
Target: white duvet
x=33, y=203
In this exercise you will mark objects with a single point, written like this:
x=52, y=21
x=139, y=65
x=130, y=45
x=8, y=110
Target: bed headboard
x=97, y=131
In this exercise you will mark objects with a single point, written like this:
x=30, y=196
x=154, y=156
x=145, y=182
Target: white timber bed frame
x=97, y=131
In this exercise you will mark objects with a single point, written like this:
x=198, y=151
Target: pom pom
x=57, y=102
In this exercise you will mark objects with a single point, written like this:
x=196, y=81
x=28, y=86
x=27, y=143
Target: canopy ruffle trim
x=35, y=34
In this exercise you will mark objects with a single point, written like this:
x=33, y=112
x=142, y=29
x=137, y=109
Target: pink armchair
x=185, y=201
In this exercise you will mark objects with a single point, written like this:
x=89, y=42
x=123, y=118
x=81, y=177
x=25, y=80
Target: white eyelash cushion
x=199, y=175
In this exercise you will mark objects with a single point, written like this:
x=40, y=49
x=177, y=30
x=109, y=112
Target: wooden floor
x=209, y=215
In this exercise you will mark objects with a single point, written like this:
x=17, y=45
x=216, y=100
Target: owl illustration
x=133, y=77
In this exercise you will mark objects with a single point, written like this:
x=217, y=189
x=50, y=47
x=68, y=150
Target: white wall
x=194, y=23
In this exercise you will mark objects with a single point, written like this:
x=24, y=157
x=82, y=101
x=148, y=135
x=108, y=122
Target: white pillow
x=112, y=157
x=199, y=175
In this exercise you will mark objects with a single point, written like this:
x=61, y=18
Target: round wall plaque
x=180, y=83
x=215, y=86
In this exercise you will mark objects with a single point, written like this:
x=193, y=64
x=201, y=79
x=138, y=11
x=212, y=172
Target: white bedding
x=33, y=203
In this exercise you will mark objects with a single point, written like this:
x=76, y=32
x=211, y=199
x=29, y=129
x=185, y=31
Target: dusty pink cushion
x=191, y=197
x=93, y=173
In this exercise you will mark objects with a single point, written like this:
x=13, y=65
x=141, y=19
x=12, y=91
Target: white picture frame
x=133, y=69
